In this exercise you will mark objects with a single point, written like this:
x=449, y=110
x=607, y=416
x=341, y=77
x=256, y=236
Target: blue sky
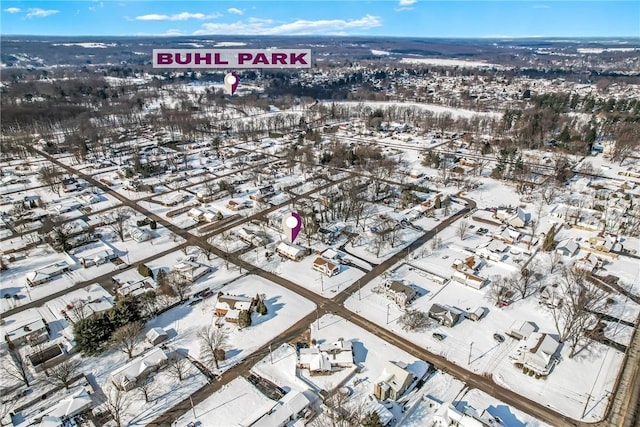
x=401, y=18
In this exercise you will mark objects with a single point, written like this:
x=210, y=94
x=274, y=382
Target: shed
x=477, y=314
x=156, y=335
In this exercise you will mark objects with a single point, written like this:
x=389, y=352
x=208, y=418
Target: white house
x=398, y=292
x=192, y=271
x=537, y=353
x=126, y=377
x=291, y=251
x=293, y=406
x=325, y=266
x=139, y=235
x=568, y=247
x=324, y=358
x=47, y=273
x=393, y=382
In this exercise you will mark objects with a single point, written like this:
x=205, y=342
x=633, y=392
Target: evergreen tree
x=550, y=239
x=261, y=307
x=244, y=319
x=126, y=310
x=91, y=333
x=372, y=419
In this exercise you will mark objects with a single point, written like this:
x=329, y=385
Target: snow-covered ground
x=471, y=344
x=284, y=309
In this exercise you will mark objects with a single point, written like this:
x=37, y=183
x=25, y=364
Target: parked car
x=196, y=301
x=438, y=336
x=498, y=338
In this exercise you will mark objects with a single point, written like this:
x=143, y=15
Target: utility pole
x=388, y=313
x=193, y=408
x=470, y=348
x=270, y=354
x=359, y=297
x=321, y=282
x=317, y=318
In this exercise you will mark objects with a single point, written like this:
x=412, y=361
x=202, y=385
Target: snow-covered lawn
x=284, y=309
x=471, y=344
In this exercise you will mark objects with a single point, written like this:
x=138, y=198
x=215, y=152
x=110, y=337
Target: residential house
x=393, y=382
x=604, y=244
x=237, y=206
x=325, y=358
x=47, y=273
x=325, y=266
x=291, y=407
x=191, y=270
x=399, y=293
x=263, y=193
x=250, y=237
x=291, y=251
x=139, y=235
x=568, y=247
x=156, y=336
x=521, y=329
x=537, y=353
x=33, y=331
x=196, y=214
x=126, y=377
x=508, y=235
x=446, y=315
x=466, y=416
x=230, y=306
x=465, y=271
x=136, y=288
x=78, y=401
x=98, y=255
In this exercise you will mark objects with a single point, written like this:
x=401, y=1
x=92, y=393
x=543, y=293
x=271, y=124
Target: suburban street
x=622, y=410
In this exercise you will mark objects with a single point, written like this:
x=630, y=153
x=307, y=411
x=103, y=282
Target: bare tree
x=463, y=226
x=64, y=373
x=16, y=367
x=555, y=261
x=414, y=320
x=51, y=176
x=574, y=314
x=77, y=310
x=179, y=283
x=117, y=221
x=499, y=290
x=342, y=411
x=146, y=387
x=526, y=282
x=127, y=337
x=178, y=367
x=116, y=403
x=212, y=344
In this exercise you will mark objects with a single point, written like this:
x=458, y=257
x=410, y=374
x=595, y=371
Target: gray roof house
x=446, y=315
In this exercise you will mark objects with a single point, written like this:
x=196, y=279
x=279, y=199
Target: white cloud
x=40, y=13
x=12, y=10
x=254, y=26
x=407, y=2
x=235, y=11
x=183, y=16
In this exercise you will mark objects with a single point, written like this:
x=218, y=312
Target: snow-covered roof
x=155, y=333
x=138, y=366
x=25, y=328
x=72, y=405
x=395, y=377
x=290, y=249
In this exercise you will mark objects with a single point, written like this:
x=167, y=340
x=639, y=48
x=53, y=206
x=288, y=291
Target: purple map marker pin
x=292, y=225
x=231, y=82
